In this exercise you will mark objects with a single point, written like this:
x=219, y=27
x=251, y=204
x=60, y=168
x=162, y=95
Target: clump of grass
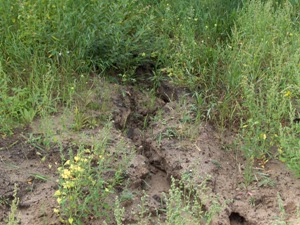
x=288, y=151
x=41, y=56
x=183, y=204
x=262, y=77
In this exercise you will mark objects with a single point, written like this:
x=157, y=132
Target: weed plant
x=262, y=77
x=13, y=217
x=183, y=204
x=85, y=188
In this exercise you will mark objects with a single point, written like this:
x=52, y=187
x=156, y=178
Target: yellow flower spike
x=67, y=163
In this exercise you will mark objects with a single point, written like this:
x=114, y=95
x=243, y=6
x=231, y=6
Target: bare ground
x=168, y=142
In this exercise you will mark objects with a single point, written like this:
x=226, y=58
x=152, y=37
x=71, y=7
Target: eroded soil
x=168, y=143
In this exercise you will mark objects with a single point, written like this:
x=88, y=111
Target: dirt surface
x=168, y=143
x=36, y=180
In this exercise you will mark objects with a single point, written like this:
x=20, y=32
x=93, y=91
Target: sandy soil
x=168, y=143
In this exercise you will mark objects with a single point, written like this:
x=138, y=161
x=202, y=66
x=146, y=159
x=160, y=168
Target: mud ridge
x=168, y=142
x=163, y=151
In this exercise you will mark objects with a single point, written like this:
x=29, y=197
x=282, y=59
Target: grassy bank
x=240, y=60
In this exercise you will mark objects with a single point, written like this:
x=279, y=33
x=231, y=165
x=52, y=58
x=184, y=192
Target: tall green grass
x=40, y=57
x=46, y=44
x=262, y=75
x=239, y=57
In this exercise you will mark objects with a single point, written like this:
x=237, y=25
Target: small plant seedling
x=39, y=176
x=264, y=180
x=170, y=133
x=216, y=163
x=4, y=201
x=13, y=217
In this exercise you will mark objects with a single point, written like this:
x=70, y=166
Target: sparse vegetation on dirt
x=149, y=112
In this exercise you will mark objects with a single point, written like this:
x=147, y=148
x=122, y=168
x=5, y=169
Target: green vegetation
x=13, y=217
x=182, y=205
x=240, y=59
x=85, y=179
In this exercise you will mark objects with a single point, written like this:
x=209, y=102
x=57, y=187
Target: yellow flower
x=55, y=210
x=263, y=136
x=68, y=184
x=87, y=150
x=66, y=174
x=57, y=193
x=58, y=200
x=70, y=220
x=67, y=163
x=287, y=94
x=76, y=168
x=76, y=158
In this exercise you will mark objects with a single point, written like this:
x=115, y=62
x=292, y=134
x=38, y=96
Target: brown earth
x=169, y=143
